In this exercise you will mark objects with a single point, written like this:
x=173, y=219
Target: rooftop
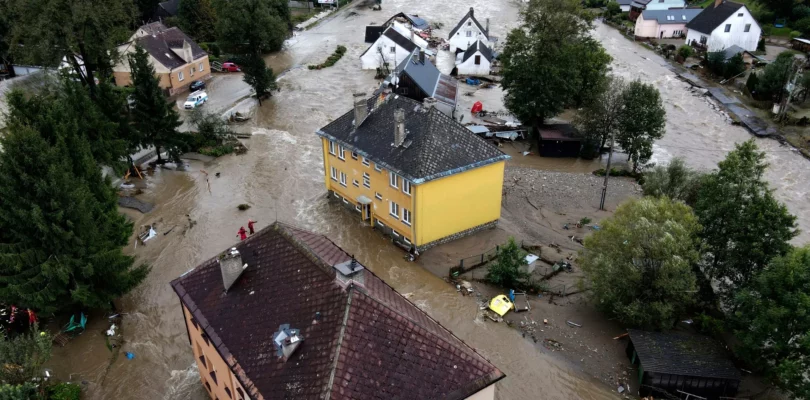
x=476, y=47
x=429, y=79
x=671, y=16
x=470, y=14
x=418, y=23
x=397, y=38
x=683, y=353
x=435, y=146
x=711, y=17
x=369, y=341
x=161, y=42
x=562, y=132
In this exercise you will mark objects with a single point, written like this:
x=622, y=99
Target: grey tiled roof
x=439, y=146
x=160, y=44
x=679, y=15
x=476, y=47
x=369, y=342
x=711, y=17
x=397, y=38
x=470, y=14
x=682, y=353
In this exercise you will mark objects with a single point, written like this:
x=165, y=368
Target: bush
x=761, y=44
x=243, y=207
x=686, y=51
x=65, y=391
x=217, y=151
x=332, y=59
x=794, y=34
x=619, y=172
x=675, y=181
x=25, y=391
x=613, y=8
x=505, y=270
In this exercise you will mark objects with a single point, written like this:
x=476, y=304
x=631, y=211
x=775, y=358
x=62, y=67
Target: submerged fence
x=469, y=263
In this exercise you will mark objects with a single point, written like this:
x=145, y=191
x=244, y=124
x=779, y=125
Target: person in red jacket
x=242, y=233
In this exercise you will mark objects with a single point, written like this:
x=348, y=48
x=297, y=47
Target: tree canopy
x=259, y=76
x=642, y=120
x=640, y=263
x=744, y=226
x=772, y=320
x=506, y=270
x=550, y=62
x=252, y=26
x=600, y=117
x=675, y=181
x=198, y=18
x=23, y=356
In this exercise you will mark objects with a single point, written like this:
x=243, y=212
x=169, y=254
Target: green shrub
x=686, y=51
x=65, y=391
x=331, y=60
x=795, y=34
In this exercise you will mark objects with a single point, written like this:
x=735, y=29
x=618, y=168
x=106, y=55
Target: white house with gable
x=390, y=48
x=467, y=32
x=476, y=61
x=724, y=24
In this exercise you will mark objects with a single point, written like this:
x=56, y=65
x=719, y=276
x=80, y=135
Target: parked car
x=195, y=100
x=197, y=85
x=231, y=67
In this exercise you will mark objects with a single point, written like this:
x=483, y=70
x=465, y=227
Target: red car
x=230, y=67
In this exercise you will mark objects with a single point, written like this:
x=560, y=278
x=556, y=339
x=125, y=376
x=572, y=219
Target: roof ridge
x=339, y=344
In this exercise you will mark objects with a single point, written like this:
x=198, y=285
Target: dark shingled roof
x=432, y=82
x=370, y=342
x=470, y=14
x=439, y=146
x=561, y=132
x=397, y=38
x=476, y=47
x=170, y=6
x=373, y=33
x=160, y=44
x=415, y=20
x=682, y=353
x=711, y=17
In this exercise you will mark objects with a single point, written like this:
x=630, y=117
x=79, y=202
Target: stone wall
x=458, y=235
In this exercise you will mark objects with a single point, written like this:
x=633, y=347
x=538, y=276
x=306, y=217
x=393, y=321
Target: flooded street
x=700, y=135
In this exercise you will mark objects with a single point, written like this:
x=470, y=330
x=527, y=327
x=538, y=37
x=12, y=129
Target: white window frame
x=354, y=155
x=333, y=173
x=345, y=201
x=332, y=148
x=180, y=76
x=357, y=208
x=393, y=232
x=393, y=209
x=366, y=180
x=747, y=28
x=406, y=240
x=378, y=195
x=406, y=186
x=343, y=179
x=727, y=28
x=355, y=183
x=336, y=194
x=377, y=167
x=405, y=212
x=365, y=162
x=393, y=49
x=341, y=152
x=201, y=67
x=469, y=33
x=380, y=223
x=191, y=71
x=392, y=180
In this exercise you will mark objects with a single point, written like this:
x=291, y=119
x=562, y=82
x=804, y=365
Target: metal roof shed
x=681, y=362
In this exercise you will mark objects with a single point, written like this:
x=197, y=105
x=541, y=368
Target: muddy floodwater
x=281, y=178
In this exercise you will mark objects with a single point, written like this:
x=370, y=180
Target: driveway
x=224, y=91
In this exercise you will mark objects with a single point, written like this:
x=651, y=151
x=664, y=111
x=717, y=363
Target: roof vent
x=287, y=340
x=350, y=271
x=428, y=103
x=399, y=127
x=360, y=109
x=230, y=264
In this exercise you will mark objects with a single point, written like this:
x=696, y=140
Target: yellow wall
x=178, y=85
x=379, y=180
x=213, y=363
x=458, y=202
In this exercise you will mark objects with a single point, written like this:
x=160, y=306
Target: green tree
x=641, y=121
x=773, y=79
x=675, y=181
x=25, y=391
x=686, y=51
x=600, y=117
x=259, y=76
x=752, y=83
x=154, y=118
x=613, y=8
x=211, y=128
x=23, y=356
x=252, y=26
x=5, y=51
x=734, y=66
x=543, y=70
x=716, y=61
x=198, y=18
x=640, y=263
x=773, y=322
x=744, y=226
x=505, y=269
x=44, y=32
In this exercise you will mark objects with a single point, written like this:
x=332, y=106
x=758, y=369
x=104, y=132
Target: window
x=380, y=224
x=345, y=201
x=202, y=360
x=214, y=376
x=333, y=173
x=393, y=49
x=208, y=386
x=357, y=208
x=180, y=76
x=392, y=179
x=343, y=179
x=477, y=60
x=341, y=152
x=378, y=195
x=191, y=71
x=469, y=33
x=354, y=155
x=377, y=167
x=393, y=209
x=728, y=28
x=228, y=392
x=703, y=39
x=366, y=180
x=739, y=14
x=394, y=233
x=240, y=393
x=747, y=27
x=406, y=216
x=365, y=162
x=406, y=240
x=205, y=337
x=406, y=186
x=200, y=67
x=336, y=195
x=331, y=147
x=355, y=183
x=469, y=23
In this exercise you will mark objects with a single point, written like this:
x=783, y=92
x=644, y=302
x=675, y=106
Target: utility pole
x=607, y=172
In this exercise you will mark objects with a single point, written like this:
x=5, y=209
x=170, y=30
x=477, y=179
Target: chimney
x=428, y=103
x=471, y=12
x=230, y=264
x=360, y=109
x=349, y=271
x=487, y=28
x=422, y=56
x=717, y=3
x=287, y=340
x=399, y=127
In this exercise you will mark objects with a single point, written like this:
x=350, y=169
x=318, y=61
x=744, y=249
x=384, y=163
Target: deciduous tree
x=600, y=117
x=153, y=116
x=640, y=263
x=744, y=226
x=198, y=19
x=773, y=322
x=675, y=181
x=641, y=121
x=259, y=76
x=505, y=270
x=23, y=355
x=252, y=26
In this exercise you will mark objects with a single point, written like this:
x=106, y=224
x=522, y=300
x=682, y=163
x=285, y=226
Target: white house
x=476, y=61
x=410, y=34
x=390, y=48
x=722, y=25
x=467, y=32
x=664, y=23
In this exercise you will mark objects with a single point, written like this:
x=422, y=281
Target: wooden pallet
x=61, y=339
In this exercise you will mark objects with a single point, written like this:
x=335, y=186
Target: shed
x=802, y=45
x=680, y=362
x=559, y=140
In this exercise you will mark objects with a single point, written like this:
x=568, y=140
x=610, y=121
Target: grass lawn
x=784, y=32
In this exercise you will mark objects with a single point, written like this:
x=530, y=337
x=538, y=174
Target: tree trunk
x=159, y=159
x=89, y=69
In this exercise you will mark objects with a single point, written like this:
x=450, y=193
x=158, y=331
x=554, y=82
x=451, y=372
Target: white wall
x=665, y=4
x=412, y=36
x=720, y=39
x=461, y=41
x=646, y=28
x=625, y=8
x=694, y=35
x=470, y=68
x=488, y=393
x=371, y=60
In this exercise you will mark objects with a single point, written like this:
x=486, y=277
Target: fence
x=470, y=263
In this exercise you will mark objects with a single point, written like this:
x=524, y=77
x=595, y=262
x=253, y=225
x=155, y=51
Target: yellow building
x=412, y=171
